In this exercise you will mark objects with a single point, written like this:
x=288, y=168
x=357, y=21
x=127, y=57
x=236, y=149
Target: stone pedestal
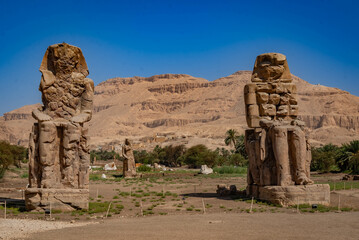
x=39, y=199
x=292, y=195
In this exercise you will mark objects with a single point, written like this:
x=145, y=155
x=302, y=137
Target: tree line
x=11, y=155
x=338, y=159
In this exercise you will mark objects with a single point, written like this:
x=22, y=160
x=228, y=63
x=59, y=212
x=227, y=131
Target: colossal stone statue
x=276, y=143
x=129, y=165
x=58, y=152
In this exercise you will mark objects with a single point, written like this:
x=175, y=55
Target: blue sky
x=208, y=39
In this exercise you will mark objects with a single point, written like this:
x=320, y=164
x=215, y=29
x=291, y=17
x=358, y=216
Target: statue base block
x=39, y=199
x=291, y=195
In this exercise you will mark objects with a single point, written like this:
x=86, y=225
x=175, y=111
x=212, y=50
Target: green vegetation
x=347, y=158
x=323, y=158
x=103, y=155
x=100, y=207
x=237, y=141
x=11, y=155
x=230, y=170
x=195, y=156
x=342, y=185
x=144, y=168
x=334, y=158
x=319, y=208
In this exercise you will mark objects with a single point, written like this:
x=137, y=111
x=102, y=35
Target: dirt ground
x=182, y=204
x=218, y=226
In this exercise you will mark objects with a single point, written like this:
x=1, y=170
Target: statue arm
x=86, y=103
x=125, y=148
x=40, y=116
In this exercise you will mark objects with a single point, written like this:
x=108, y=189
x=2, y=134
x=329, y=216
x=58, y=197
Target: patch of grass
x=95, y=177
x=115, y=197
x=100, y=207
x=320, y=208
x=56, y=211
x=230, y=170
x=162, y=213
x=25, y=175
x=189, y=209
x=148, y=212
x=340, y=185
x=124, y=194
x=144, y=168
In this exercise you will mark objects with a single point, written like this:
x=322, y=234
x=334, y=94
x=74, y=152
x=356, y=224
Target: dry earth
x=218, y=226
x=181, y=109
x=172, y=206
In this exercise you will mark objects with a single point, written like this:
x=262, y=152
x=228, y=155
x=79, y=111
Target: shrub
x=10, y=154
x=348, y=157
x=144, y=168
x=323, y=158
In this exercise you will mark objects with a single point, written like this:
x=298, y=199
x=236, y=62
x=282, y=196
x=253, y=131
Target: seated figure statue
x=277, y=146
x=58, y=151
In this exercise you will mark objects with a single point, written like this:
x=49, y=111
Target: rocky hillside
x=178, y=108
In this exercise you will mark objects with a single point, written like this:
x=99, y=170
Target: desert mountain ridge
x=181, y=109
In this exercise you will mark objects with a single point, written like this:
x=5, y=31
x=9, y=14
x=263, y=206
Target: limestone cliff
x=192, y=110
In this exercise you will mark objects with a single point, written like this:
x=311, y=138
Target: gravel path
x=22, y=228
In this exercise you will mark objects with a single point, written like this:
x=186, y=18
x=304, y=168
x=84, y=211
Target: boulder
x=110, y=166
x=206, y=170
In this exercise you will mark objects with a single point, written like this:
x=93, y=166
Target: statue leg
x=281, y=154
x=84, y=160
x=299, y=155
x=34, y=171
x=125, y=167
x=71, y=158
x=47, y=154
x=251, y=148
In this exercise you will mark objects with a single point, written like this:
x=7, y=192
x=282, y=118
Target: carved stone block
x=267, y=110
x=274, y=99
x=278, y=150
x=283, y=110
x=38, y=199
x=292, y=195
x=293, y=110
x=59, y=156
x=250, y=98
x=262, y=97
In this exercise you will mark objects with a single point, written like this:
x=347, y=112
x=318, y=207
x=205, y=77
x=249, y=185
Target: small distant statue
x=129, y=165
x=277, y=146
x=58, y=151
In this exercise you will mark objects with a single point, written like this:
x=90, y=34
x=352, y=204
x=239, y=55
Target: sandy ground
x=218, y=226
x=22, y=228
x=179, y=215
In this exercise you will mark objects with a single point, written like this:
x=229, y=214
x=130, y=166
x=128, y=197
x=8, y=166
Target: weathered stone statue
x=58, y=152
x=277, y=146
x=129, y=165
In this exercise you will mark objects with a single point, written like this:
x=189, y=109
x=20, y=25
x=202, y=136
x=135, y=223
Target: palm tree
x=231, y=137
x=348, y=157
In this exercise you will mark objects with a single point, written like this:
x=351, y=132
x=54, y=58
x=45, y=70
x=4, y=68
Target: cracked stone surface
x=277, y=144
x=58, y=145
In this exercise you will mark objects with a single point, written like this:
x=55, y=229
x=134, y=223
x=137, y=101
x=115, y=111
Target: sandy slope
x=178, y=108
